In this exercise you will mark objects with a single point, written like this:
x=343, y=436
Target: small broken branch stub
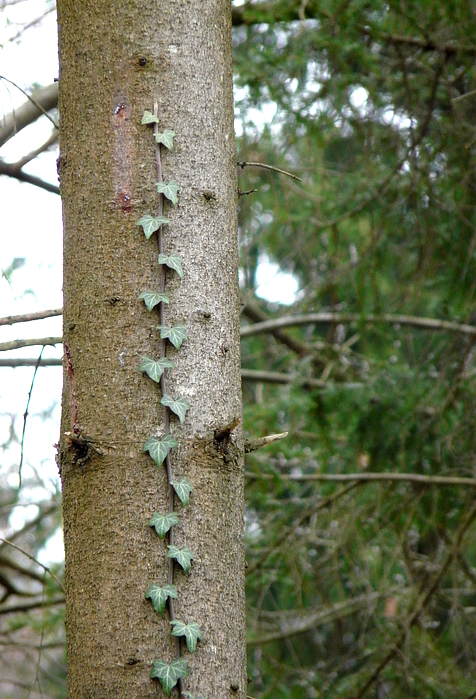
x=254, y=444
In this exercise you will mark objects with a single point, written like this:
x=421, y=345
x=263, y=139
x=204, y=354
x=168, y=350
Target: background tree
x=360, y=526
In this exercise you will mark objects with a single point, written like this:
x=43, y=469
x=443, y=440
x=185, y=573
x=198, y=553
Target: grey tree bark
x=116, y=59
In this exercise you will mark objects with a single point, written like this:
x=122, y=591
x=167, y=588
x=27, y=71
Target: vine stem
x=160, y=245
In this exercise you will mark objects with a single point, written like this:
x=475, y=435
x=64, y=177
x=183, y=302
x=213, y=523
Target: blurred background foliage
x=361, y=546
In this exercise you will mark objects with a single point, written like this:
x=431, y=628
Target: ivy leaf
x=169, y=675
x=169, y=190
x=183, y=488
x=191, y=632
x=179, y=406
x=166, y=138
x=149, y=118
x=182, y=556
x=162, y=523
x=155, y=369
x=158, y=596
x=151, y=224
x=153, y=298
x=159, y=448
x=176, y=335
x=173, y=261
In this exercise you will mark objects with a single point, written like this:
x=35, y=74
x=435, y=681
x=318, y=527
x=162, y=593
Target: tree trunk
x=116, y=59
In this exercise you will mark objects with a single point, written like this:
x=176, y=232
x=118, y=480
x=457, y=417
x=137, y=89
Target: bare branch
x=254, y=444
x=51, y=141
x=367, y=478
x=39, y=103
x=32, y=558
x=16, y=363
x=34, y=604
x=10, y=170
x=318, y=618
x=321, y=318
x=245, y=163
x=276, y=377
x=32, y=23
x=17, y=344
x=254, y=313
x=26, y=318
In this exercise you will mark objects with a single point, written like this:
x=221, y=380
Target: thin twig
x=328, y=317
x=32, y=100
x=25, y=415
x=52, y=140
x=246, y=163
x=27, y=317
x=31, y=342
x=32, y=558
x=244, y=193
x=366, y=478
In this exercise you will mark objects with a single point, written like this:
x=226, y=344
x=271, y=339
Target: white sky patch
x=359, y=97
x=273, y=285
x=52, y=552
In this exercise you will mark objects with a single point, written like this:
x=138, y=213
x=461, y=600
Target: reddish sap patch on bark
x=124, y=156
x=125, y=202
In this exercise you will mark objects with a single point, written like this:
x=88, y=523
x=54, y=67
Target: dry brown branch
x=367, y=478
x=254, y=313
x=34, y=604
x=318, y=618
x=31, y=342
x=10, y=170
x=32, y=558
x=329, y=317
x=276, y=377
x=38, y=103
x=16, y=363
x=260, y=442
x=246, y=163
x=27, y=317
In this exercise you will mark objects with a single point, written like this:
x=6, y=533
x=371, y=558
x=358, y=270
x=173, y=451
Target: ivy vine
x=163, y=596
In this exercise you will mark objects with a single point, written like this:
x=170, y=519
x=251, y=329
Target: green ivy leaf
x=149, y=118
x=159, y=448
x=169, y=675
x=191, y=632
x=176, y=335
x=151, y=224
x=155, y=369
x=173, y=261
x=183, y=557
x=179, y=406
x=169, y=190
x=183, y=488
x=162, y=523
x=158, y=596
x=153, y=298
x=166, y=138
